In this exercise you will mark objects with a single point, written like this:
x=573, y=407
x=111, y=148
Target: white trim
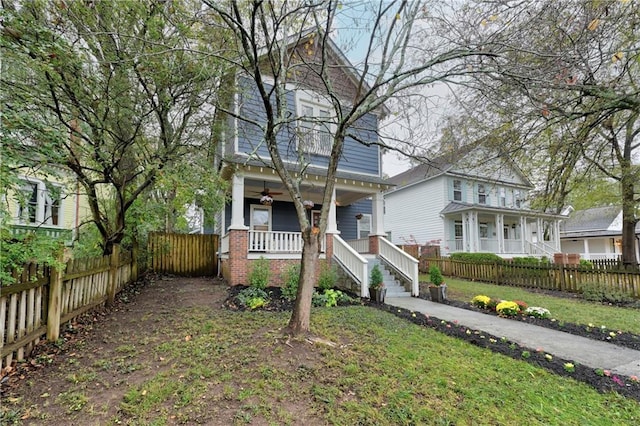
x=43, y=201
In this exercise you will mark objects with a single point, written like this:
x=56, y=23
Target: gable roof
x=446, y=163
x=597, y=221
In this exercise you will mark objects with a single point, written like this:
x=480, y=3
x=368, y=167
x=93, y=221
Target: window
x=484, y=230
x=482, y=194
x=517, y=197
x=364, y=226
x=503, y=197
x=314, y=128
x=457, y=190
x=38, y=204
x=260, y=217
x=505, y=232
x=458, y=229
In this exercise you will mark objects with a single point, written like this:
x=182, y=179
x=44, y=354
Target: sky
x=351, y=34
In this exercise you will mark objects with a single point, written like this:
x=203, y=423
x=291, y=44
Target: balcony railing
x=65, y=235
x=314, y=141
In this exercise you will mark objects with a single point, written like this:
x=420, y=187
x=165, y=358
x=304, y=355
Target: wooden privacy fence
x=184, y=254
x=42, y=298
x=567, y=278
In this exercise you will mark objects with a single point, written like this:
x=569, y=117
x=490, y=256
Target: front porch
x=506, y=233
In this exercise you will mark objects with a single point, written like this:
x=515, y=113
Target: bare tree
x=404, y=52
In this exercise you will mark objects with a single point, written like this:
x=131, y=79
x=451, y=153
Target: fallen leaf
x=593, y=24
x=144, y=392
x=187, y=338
x=45, y=395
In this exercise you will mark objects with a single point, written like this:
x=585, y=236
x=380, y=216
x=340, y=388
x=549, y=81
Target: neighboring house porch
x=503, y=231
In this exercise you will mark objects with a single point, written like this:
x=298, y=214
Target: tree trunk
x=301, y=316
x=629, y=259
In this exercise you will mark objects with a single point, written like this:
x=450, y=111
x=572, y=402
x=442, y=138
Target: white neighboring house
x=468, y=201
x=595, y=233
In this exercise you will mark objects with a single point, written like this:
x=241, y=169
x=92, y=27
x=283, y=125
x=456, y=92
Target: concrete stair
x=393, y=286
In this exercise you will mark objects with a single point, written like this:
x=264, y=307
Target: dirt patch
x=97, y=368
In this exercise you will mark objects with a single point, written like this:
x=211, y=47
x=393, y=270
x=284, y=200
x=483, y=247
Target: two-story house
x=469, y=201
x=260, y=220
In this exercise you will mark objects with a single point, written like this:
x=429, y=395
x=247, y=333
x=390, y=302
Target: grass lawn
x=563, y=309
x=202, y=364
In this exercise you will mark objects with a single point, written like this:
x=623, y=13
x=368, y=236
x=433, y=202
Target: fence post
x=113, y=274
x=54, y=309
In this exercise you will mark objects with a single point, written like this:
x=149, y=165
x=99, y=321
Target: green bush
x=599, y=292
x=435, y=276
x=529, y=260
x=327, y=278
x=259, y=274
x=329, y=298
x=253, y=297
x=587, y=264
x=291, y=278
x=376, y=279
x=476, y=257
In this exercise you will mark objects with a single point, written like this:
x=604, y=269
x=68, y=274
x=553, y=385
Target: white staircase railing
x=540, y=248
x=404, y=263
x=354, y=264
x=361, y=245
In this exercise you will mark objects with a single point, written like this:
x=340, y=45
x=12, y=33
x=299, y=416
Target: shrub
x=291, y=278
x=537, y=312
x=587, y=264
x=435, y=276
x=599, y=292
x=376, y=279
x=253, y=297
x=476, y=257
x=259, y=274
x=528, y=260
x=327, y=278
x=507, y=308
x=480, y=301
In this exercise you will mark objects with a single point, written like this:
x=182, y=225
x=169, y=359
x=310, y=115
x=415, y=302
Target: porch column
x=500, y=232
x=332, y=223
x=585, y=242
x=237, y=202
x=556, y=231
x=377, y=213
x=523, y=225
x=473, y=226
x=540, y=231
x=465, y=232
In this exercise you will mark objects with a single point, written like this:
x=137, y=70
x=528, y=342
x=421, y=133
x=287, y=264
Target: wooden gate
x=184, y=254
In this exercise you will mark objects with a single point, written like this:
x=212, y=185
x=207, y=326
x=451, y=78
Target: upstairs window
x=518, y=199
x=482, y=194
x=38, y=204
x=315, y=128
x=457, y=190
x=503, y=197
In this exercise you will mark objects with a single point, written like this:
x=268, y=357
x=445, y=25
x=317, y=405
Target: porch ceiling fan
x=267, y=191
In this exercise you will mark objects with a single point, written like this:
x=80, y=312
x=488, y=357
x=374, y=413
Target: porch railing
x=455, y=245
x=360, y=245
x=489, y=244
x=600, y=256
x=50, y=231
x=404, y=263
x=278, y=242
x=354, y=264
x=540, y=248
x=513, y=246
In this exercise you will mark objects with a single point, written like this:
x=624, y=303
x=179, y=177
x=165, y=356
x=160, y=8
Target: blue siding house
x=260, y=218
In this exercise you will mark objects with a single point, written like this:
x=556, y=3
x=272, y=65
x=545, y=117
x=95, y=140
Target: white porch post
x=500, y=232
x=586, y=248
x=556, y=231
x=523, y=225
x=332, y=223
x=237, y=202
x=377, y=210
x=473, y=225
x=465, y=231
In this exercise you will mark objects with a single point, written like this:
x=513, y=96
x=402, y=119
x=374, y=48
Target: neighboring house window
x=482, y=194
x=503, y=197
x=38, y=205
x=314, y=128
x=517, y=196
x=364, y=226
x=457, y=190
x=458, y=229
x=484, y=230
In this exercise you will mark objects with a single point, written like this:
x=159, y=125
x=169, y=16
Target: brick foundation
x=374, y=247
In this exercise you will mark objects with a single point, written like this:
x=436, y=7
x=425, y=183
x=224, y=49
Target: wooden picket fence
x=183, y=254
x=567, y=278
x=43, y=298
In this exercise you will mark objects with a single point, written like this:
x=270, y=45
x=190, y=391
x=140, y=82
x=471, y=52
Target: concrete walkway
x=592, y=353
